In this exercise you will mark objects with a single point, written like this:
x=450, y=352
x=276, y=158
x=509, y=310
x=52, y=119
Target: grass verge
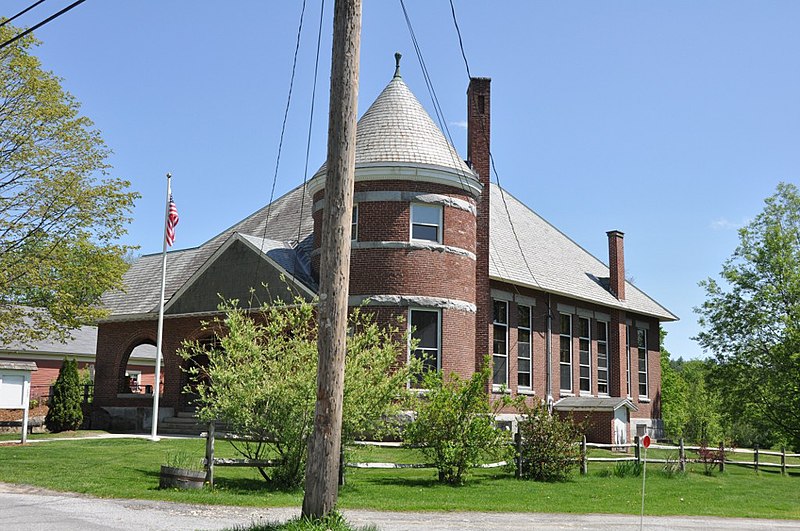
x=129, y=468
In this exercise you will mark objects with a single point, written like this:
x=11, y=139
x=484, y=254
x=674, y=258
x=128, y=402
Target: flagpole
x=160, y=337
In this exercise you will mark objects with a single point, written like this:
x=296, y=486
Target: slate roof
x=279, y=222
x=82, y=342
x=396, y=128
x=555, y=263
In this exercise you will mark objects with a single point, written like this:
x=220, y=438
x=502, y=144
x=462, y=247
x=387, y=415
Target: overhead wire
x=6, y=21
x=437, y=108
x=40, y=24
x=310, y=127
x=280, y=142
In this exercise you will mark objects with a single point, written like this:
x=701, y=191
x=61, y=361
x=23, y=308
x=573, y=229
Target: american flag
x=172, y=220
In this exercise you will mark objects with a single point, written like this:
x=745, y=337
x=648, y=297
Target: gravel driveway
x=31, y=508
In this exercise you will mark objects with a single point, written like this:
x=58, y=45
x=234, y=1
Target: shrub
x=549, y=449
x=65, y=407
x=261, y=381
x=454, y=424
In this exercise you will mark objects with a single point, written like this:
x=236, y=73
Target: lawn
x=128, y=468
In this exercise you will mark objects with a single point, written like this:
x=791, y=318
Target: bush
x=65, y=407
x=455, y=425
x=261, y=381
x=549, y=449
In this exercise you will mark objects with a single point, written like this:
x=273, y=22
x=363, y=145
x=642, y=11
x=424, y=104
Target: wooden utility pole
x=322, y=470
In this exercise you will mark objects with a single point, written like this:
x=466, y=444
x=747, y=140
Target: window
x=602, y=358
x=585, y=355
x=628, y=357
x=500, y=344
x=425, y=329
x=426, y=222
x=354, y=224
x=565, y=352
x=524, y=346
x=642, y=347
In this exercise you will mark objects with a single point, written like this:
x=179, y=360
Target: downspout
x=549, y=357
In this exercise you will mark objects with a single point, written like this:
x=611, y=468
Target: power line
x=491, y=157
x=283, y=131
x=310, y=126
x=6, y=21
x=437, y=108
x=40, y=24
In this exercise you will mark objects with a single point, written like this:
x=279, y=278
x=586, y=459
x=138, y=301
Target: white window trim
x=526, y=389
x=560, y=363
x=354, y=224
x=628, y=357
x=608, y=362
x=646, y=363
x=438, y=338
x=498, y=387
x=440, y=226
x=589, y=340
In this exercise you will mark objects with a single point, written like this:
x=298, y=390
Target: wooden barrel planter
x=181, y=478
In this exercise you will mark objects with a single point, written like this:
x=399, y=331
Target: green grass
x=64, y=434
x=333, y=522
x=128, y=468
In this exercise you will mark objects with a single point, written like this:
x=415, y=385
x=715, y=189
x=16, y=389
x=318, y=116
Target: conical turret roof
x=397, y=129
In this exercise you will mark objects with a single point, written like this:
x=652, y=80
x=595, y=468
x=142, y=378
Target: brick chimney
x=616, y=264
x=478, y=135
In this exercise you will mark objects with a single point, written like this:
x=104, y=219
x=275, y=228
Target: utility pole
x=322, y=469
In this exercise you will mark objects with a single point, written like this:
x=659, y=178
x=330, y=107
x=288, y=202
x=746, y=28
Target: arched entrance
x=137, y=372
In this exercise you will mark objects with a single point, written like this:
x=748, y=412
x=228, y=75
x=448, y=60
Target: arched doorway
x=137, y=372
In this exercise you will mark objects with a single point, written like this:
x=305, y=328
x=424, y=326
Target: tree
x=674, y=395
x=261, y=380
x=58, y=222
x=455, y=424
x=751, y=321
x=65, y=411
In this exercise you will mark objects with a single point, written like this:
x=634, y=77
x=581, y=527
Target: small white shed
x=15, y=388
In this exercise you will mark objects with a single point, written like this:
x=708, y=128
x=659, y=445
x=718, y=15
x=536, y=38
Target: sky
x=670, y=121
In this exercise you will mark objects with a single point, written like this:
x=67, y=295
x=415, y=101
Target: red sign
x=646, y=441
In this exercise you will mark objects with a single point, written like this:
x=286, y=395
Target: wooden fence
x=717, y=456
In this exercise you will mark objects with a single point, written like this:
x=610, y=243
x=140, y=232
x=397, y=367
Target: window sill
x=563, y=394
x=128, y=396
x=527, y=392
x=644, y=400
x=500, y=390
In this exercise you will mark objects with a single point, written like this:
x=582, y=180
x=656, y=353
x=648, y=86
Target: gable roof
x=286, y=220
x=552, y=262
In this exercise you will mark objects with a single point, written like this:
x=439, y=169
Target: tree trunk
x=322, y=470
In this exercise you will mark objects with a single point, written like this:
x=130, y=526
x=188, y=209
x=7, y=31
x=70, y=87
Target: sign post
x=646, y=444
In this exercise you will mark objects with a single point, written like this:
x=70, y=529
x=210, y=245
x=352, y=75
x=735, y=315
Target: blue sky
x=670, y=121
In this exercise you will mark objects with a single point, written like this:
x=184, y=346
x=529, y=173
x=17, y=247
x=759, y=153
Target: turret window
x=426, y=222
x=425, y=326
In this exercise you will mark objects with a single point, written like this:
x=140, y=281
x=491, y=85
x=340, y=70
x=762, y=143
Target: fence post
x=783, y=460
x=584, y=461
x=722, y=456
x=755, y=457
x=341, y=465
x=637, y=450
x=210, y=454
x=518, y=447
x=682, y=456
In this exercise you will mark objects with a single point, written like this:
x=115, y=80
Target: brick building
x=472, y=269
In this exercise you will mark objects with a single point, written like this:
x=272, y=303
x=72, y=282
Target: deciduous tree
x=751, y=319
x=59, y=222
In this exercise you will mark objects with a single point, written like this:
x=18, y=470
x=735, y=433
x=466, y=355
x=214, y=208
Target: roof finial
x=397, y=56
